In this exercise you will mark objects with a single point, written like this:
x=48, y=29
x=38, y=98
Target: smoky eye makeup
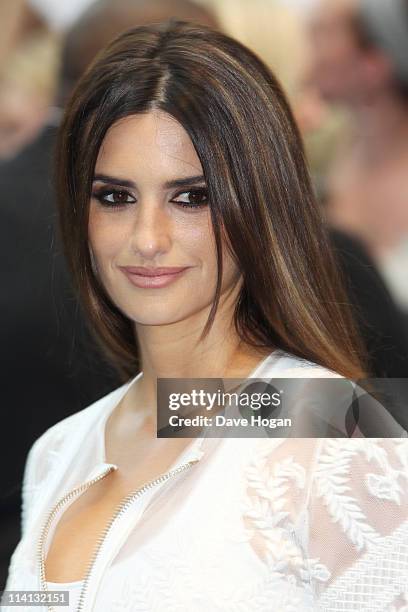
x=110, y=196
x=194, y=197
x=116, y=193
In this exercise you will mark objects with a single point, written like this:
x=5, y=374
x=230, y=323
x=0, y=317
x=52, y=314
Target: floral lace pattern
x=288, y=496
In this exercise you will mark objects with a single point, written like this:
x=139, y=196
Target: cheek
x=195, y=236
x=106, y=236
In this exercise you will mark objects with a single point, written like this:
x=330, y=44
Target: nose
x=151, y=231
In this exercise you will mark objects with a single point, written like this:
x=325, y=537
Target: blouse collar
x=194, y=451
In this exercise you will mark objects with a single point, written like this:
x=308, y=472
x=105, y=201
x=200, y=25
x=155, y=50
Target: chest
x=83, y=522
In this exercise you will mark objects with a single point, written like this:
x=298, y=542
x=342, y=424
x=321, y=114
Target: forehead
x=148, y=140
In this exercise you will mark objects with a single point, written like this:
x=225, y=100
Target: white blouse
x=236, y=525
x=73, y=588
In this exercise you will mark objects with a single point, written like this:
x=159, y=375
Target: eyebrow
x=182, y=182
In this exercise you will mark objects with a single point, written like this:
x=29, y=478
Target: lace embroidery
x=275, y=532
x=264, y=510
x=331, y=478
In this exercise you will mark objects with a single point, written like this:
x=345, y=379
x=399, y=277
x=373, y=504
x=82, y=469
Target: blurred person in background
x=51, y=366
x=11, y=12
x=381, y=323
x=272, y=29
x=28, y=68
x=360, y=62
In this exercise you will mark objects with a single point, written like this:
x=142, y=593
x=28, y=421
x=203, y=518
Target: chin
x=150, y=317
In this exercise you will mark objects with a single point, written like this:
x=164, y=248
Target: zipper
x=120, y=510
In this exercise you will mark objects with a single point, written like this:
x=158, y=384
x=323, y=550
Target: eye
x=113, y=197
x=193, y=198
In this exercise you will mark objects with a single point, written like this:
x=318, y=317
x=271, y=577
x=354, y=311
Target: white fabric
x=257, y=525
x=74, y=589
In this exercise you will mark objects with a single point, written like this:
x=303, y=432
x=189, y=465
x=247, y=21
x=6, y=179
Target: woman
x=178, y=150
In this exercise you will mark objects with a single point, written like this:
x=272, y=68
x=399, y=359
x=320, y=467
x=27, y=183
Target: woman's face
x=149, y=210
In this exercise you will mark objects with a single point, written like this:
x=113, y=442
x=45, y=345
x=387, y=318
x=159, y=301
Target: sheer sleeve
x=329, y=517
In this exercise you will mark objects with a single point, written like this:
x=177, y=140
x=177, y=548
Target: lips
x=144, y=271
x=152, y=278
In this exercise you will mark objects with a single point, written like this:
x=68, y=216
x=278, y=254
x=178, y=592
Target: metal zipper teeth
x=121, y=509
x=52, y=514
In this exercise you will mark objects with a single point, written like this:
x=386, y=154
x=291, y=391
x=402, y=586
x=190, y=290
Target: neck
x=176, y=351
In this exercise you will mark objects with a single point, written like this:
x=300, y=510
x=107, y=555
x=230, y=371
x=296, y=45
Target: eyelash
x=103, y=193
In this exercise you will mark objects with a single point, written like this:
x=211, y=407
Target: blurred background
x=344, y=66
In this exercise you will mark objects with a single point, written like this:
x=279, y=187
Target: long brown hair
x=260, y=195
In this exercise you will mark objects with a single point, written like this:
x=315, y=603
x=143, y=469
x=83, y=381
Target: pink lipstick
x=153, y=278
